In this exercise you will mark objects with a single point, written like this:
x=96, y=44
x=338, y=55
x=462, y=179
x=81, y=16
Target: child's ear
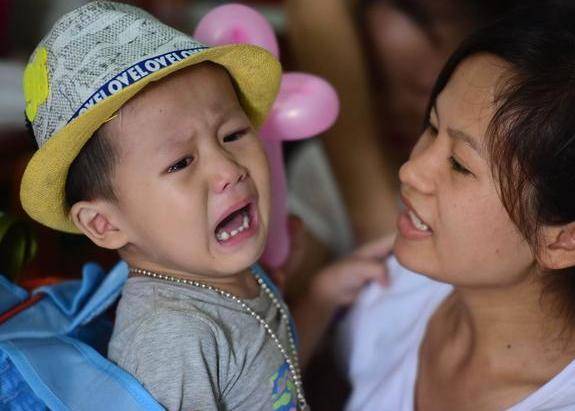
x=559, y=243
x=93, y=218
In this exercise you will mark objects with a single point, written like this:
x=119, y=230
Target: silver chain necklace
x=290, y=357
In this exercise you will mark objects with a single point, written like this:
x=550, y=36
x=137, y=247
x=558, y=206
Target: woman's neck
x=505, y=327
x=491, y=348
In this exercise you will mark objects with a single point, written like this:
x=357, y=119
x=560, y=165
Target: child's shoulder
x=150, y=314
x=155, y=311
x=154, y=298
x=168, y=318
x=164, y=331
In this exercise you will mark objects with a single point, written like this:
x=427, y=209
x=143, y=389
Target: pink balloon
x=306, y=106
x=277, y=247
x=235, y=23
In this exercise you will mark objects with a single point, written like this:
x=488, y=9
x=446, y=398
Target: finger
x=379, y=248
x=363, y=271
x=380, y=276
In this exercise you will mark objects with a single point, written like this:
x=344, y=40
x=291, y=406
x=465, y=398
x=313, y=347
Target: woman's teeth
x=420, y=225
x=223, y=235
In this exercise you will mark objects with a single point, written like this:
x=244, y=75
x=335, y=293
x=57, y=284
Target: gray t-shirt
x=195, y=350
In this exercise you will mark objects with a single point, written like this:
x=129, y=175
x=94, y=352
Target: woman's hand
x=340, y=283
x=335, y=286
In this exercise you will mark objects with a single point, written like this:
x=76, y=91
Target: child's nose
x=226, y=172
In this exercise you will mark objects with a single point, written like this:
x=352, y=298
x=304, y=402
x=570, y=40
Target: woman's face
x=455, y=228
x=409, y=60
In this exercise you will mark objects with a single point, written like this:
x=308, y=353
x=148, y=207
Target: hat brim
x=256, y=73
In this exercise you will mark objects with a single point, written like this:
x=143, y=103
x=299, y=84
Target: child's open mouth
x=237, y=222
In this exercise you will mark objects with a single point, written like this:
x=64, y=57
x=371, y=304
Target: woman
x=489, y=219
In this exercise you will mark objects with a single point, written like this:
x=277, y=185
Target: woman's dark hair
x=531, y=138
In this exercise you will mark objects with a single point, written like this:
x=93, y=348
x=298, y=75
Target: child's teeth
x=420, y=225
x=223, y=235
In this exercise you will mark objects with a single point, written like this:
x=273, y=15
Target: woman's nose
x=421, y=170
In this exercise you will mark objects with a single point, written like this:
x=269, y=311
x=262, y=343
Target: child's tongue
x=233, y=223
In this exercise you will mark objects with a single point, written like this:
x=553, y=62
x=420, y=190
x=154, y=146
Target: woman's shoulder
x=380, y=336
x=399, y=310
x=558, y=394
x=408, y=298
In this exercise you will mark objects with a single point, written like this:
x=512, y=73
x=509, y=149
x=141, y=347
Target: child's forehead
x=201, y=81
x=174, y=107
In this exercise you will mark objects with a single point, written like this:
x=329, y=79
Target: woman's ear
x=559, y=247
x=94, y=219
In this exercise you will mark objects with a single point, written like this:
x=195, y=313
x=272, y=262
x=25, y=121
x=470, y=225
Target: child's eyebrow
x=170, y=144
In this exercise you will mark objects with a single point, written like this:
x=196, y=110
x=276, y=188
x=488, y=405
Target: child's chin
x=241, y=261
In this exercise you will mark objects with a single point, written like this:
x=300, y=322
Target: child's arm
x=337, y=286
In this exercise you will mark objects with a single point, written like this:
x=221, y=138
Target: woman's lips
x=410, y=224
x=408, y=229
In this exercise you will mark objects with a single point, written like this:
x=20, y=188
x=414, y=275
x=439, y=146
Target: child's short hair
x=90, y=174
x=92, y=62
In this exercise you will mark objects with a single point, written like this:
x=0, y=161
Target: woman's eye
x=235, y=136
x=455, y=165
x=181, y=164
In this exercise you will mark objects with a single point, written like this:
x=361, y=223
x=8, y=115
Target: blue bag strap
x=68, y=305
x=259, y=271
x=10, y=294
x=83, y=300
x=84, y=381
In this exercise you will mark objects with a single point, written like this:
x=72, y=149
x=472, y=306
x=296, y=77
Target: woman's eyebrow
x=460, y=135
x=466, y=138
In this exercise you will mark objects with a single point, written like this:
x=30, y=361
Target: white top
x=381, y=336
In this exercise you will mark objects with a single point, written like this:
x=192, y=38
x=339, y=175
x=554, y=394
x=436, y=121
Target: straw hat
x=92, y=62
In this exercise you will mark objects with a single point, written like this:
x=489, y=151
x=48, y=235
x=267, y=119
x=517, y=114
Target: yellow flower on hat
x=36, y=87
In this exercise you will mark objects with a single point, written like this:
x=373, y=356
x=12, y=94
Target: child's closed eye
x=180, y=164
